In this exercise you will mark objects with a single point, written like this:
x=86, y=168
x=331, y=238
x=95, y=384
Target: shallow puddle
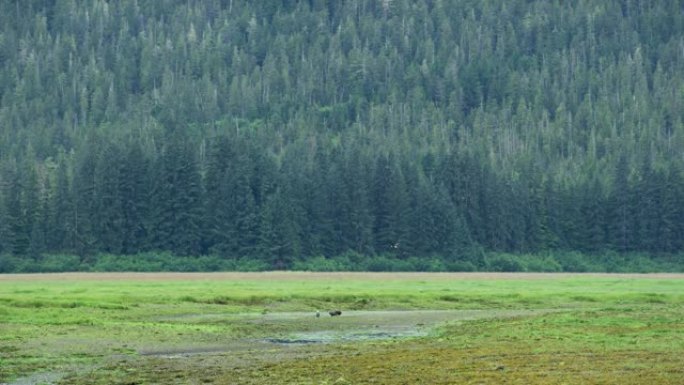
x=347, y=336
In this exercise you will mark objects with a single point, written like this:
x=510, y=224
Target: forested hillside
x=275, y=131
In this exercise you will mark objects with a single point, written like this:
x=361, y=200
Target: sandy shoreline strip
x=299, y=275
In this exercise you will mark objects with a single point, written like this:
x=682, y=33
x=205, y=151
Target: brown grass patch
x=450, y=365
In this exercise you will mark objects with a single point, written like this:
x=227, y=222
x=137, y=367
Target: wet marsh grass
x=579, y=329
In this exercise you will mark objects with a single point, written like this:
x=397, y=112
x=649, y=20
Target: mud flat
x=304, y=328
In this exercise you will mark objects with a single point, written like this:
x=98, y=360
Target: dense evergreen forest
x=470, y=134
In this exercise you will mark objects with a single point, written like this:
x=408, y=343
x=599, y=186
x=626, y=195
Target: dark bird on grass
x=335, y=313
x=318, y=314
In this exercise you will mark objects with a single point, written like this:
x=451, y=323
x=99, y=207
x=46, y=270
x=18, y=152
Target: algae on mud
x=469, y=328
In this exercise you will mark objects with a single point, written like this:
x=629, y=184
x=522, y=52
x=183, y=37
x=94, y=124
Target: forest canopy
x=281, y=133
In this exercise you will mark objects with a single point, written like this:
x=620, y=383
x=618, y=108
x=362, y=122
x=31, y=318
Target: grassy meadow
x=396, y=328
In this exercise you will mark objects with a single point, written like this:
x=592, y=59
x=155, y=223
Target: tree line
x=225, y=197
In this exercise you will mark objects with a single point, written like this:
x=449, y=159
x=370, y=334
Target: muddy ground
x=304, y=328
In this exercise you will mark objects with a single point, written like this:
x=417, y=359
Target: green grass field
x=413, y=328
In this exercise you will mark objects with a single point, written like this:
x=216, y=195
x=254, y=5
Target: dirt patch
x=296, y=276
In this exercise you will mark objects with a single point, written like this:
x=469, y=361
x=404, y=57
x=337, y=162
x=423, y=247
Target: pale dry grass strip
x=302, y=276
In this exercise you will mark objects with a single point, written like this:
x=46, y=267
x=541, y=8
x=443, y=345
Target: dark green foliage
x=434, y=135
x=133, y=186
x=391, y=209
x=59, y=230
x=350, y=261
x=177, y=215
x=17, y=238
